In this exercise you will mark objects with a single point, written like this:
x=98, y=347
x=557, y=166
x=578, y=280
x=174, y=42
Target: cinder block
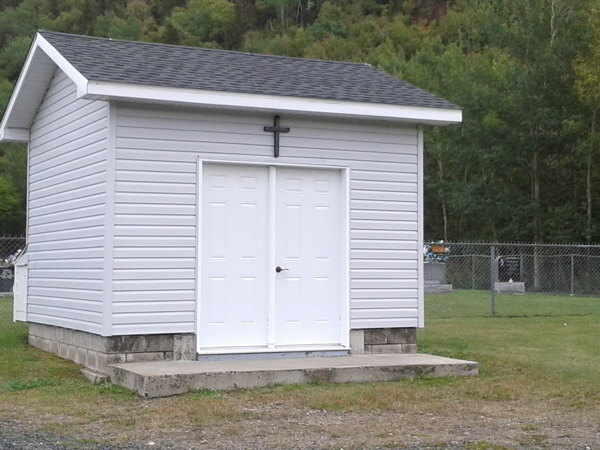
x=55, y=347
x=81, y=356
x=63, y=350
x=148, y=356
x=39, y=342
x=409, y=348
x=86, y=340
x=159, y=343
x=168, y=356
x=47, y=345
x=60, y=334
x=72, y=353
x=98, y=343
x=184, y=347
x=389, y=348
x=77, y=338
x=31, y=340
x=43, y=331
x=92, y=360
x=51, y=333
x=68, y=336
x=357, y=342
x=125, y=344
x=375, y=336
x=34, y=329
x=103, y=361
x=401, y=335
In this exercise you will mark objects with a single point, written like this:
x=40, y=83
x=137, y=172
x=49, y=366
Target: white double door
x=271, y=256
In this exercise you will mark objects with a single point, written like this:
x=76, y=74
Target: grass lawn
x=464, y=303
x=539, y=376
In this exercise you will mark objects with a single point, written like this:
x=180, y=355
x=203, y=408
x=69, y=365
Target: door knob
x=279, y=269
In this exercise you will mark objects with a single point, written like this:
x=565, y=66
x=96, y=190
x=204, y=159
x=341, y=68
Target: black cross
x=276, y=129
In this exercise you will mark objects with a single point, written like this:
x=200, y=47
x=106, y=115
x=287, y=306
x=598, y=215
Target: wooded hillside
x=522, y=166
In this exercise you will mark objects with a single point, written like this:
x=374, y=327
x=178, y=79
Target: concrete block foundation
x=97, y=352
x=383, y=340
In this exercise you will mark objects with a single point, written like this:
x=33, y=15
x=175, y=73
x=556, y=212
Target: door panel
x=308, y=244
x=235, y=215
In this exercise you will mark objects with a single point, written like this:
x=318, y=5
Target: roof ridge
x=215, y=50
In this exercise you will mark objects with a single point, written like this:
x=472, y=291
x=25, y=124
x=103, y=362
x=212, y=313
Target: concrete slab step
x=166, y=378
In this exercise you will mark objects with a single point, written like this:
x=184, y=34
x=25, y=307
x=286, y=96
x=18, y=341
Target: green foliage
x=525, y=73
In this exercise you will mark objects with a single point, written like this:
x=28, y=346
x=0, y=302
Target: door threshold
x=280, y=352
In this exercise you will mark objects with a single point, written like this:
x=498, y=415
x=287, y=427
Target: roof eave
x=17, y=130
x=269, y=103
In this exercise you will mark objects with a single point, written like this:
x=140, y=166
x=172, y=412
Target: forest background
x=521, y=167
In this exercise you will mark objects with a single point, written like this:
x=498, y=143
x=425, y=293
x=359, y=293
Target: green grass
x=463, y=303
x=538, y=364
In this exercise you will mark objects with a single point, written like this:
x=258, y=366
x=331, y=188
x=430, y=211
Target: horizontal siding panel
x=61, y=321
x=140, y=176
x=81, y=263
x=373, y=176
x=71, y=205
x=155, y=307
x=369, y=214
x=57, y=124
x=74, y=294
x=358, y=194
x=382, y=313
x=161, y=241
x=65, y=312
x=356, y=254
x=373, y=225
x=385, y=303
x=155, y=219
x=377, y=264
x=156, y=230
x=36, y=254
x=154, y=209
x=85, y=191
x=143, y=285
x=155, y=328
x=394, y=322
x=409, y=283
x=383, y=205
x=153, y=317
x=154, y=252
x=90, y=143
x=71, y=170
x=382, y=186
x=70, y=273
x=155, y=263
x=66, y=284
x=382, y=244
x=157, y=188
x=67, y=224
x=156, y=166
x=387, y=274
x=155, y=274
x=384, y=234
x=172, y=295
x=79, y=304
x=79, y=233
x=382, y=293
x=164, y=199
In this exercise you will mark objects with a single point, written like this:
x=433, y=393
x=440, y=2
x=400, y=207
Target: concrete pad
x=94, y=377
x=165, y=378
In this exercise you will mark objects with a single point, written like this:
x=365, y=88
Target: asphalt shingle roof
x=150, y=64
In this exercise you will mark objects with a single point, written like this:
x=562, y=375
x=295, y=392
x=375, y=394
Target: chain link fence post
x=493, y=277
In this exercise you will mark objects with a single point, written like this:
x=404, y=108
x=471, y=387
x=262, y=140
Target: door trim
x=344, y=248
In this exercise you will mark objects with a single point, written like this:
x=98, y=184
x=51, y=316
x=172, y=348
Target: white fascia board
x=39, y=44
x=4, y=133
x=270, y=103
x=64, y=65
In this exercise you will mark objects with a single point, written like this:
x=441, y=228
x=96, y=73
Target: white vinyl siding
x=155, y=234
x=67, y=184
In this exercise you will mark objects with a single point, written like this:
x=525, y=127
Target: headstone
x=509, y=269
x=7, y=276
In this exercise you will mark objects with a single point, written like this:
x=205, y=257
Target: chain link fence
x=503, y=279
x=9, y=248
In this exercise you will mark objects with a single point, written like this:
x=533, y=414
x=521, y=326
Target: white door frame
x=344, y=247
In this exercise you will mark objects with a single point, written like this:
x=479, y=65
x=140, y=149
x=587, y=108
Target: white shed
x=189, y=203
